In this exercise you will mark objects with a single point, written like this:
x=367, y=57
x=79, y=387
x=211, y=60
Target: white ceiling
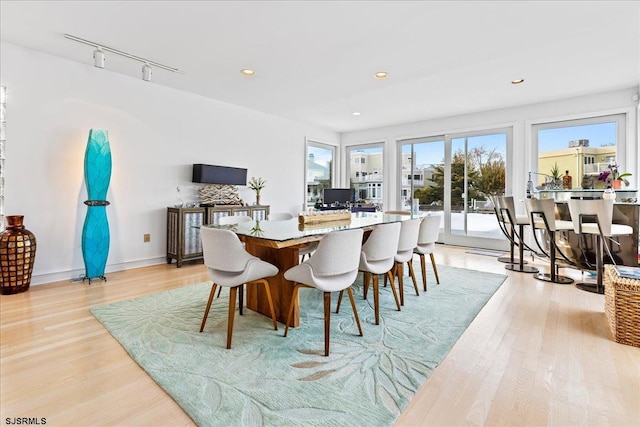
x=315, y=61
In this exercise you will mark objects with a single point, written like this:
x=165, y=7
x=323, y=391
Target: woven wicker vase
x=17, y=254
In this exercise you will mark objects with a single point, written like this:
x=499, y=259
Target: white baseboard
x=73, y=275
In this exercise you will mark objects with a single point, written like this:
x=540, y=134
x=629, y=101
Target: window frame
x=334, y=148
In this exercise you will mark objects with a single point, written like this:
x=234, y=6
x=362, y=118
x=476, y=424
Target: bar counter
x=626, y=210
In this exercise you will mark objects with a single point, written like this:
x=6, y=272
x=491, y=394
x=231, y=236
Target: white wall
x=521, y=119
x=156, y=134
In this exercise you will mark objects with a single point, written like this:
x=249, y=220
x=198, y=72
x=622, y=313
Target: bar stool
x=508, y=219
x=511, y=259
x=543, y=217
x=599, y=213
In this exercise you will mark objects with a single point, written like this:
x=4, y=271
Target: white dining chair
x=304, y=251
x=229, y=265
x=427, y=238
x=377, y=257
x=233, y=219
x=333, y=268
x=279, y=216
x=404, y=253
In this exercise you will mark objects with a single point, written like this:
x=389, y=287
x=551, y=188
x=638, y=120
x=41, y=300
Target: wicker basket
x=622, y=307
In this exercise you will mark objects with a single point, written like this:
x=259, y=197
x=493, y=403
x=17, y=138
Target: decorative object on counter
x=17, y=255
x=95, y=233
x=587, y=182
x=556, y=178
x=609, y=194
x=613, y=177
x=219, y=194
x=567, y=181
x=179, y=202
x=257, y=184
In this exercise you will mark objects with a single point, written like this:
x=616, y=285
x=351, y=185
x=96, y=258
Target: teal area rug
x=269, y=380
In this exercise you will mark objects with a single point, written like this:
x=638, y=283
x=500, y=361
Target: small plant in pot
x=556, y=177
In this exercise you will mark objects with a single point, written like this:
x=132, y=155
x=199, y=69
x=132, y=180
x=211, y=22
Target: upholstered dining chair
x=306, y=250
x=508, y=219
x=332, y=268
x=377, y=257
x=595, y=217
x=407, y=243
x=279, y=216
x=233, y=219
x=427, y=238
x=542, y=213
x=229, y=265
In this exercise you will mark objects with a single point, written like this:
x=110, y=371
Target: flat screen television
x=212, y=174
x=340, y=196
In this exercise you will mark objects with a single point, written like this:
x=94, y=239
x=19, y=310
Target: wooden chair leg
x=376, y=298
x=413, y=276
x=399, y=272
x=435, y=269
x=206, y=311
x=219, y=291
x=241, y=299
x=393, y=288
x=423, y=269
x=232, y=311
x=355, y=311
x=365, y=282
x=327, y=320
x=294, y=298
x=267, y=288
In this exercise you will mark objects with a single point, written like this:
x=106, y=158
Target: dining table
x=279, y=243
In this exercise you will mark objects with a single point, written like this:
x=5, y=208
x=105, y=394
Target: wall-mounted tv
x=340, y=196
x=212, y=174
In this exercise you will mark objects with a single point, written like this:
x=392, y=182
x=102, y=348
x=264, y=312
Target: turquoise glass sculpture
x=95, y=233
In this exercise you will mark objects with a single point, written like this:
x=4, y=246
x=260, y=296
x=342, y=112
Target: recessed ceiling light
x=380, y=75
x=247, y=72
x=355, y=113
x=517, y=82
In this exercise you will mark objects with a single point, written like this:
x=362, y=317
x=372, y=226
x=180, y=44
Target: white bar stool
x=595, y=217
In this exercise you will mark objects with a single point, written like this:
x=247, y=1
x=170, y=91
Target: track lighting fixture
x=99, y=58
x=146, y=72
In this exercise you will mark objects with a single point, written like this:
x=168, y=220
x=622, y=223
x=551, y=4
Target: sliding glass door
x=477, y=172
x=455, y=176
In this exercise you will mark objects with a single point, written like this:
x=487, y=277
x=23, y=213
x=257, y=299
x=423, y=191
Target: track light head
x=146, y=72
x=98, y=58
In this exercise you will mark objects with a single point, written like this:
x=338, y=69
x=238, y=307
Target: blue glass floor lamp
x=95, y=233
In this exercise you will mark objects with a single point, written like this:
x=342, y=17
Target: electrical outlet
x=147, y=238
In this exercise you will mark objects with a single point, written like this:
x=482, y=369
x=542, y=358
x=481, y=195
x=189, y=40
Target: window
x=366, y=167
x=584, y=147
x=319, y=170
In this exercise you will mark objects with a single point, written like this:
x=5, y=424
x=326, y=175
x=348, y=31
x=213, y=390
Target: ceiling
x=314, y=61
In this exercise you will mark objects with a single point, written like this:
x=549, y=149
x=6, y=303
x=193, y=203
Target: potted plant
x=615, y=177
x=556, y=177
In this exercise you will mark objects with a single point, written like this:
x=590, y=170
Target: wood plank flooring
x=537, y=354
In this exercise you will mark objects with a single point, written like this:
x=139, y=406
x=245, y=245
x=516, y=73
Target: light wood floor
x=537, y=354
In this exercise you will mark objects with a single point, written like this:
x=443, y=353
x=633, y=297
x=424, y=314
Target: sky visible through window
x=599, y=135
